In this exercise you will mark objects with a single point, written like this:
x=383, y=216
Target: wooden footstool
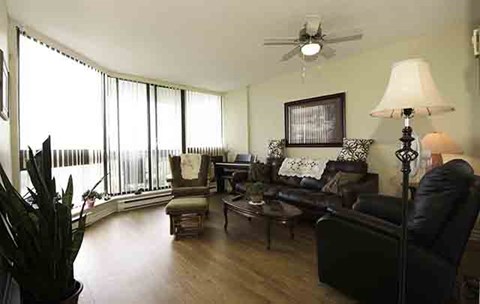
x=187, y=215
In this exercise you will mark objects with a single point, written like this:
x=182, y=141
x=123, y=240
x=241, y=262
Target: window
x=166, y=134
x=203, y=120
x=61, y=98
x=101, y=124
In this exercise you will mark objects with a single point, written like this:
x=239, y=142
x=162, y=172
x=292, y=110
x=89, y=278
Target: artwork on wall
x=3, y=87
x=315, y=122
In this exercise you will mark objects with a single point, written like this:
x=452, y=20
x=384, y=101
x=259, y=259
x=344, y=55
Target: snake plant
x=37, y=240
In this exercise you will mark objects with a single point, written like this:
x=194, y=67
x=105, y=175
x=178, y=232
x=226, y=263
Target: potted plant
x=255, y=192
x=90, y=196
x=37, y=239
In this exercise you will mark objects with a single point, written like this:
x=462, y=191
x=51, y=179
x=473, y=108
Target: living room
x=213, y=129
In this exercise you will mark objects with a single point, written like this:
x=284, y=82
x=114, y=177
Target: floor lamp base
x=406, y=155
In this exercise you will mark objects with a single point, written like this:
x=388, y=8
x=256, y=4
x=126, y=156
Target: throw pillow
x=355, y=149
x=276, y=148
x=259, y=173
x=341, y=179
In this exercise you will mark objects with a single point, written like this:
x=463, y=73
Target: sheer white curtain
x=132, y=100
x=203, y=120
x=61, y=98
x=166, y=135
x=111, y=122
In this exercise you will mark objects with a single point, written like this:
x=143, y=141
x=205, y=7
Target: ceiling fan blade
x=333, y=38
x=267, y=43
x=292, y=53
x=280, y=39
x=327, y=52
x=312, y=24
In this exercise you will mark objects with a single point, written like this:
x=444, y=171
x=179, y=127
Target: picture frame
x=315, y=122
x=4, y=78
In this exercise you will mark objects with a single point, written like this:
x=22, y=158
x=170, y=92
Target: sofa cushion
x=308, y=198
x=355, y=149
x=259, y=172
x=312, y=183
x=341, y=179
x=290, y=181
x=438, y=193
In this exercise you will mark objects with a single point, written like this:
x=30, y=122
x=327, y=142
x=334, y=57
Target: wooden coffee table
x=272, y=211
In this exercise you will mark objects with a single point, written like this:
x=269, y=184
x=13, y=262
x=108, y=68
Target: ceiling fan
x=311, y=41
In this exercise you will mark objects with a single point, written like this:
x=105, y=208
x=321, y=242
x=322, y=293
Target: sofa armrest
x=350, y=192
x=388, y=208
x=366, y=221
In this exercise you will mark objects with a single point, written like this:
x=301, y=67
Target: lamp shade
x=411, y=86
x=439, y=142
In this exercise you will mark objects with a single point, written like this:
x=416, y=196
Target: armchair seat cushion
x=186, y=205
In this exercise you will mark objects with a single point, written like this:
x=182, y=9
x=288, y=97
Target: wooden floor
x=131, y=258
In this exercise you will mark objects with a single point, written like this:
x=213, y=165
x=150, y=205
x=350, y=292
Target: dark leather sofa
x=358, y=249
x=306, y=193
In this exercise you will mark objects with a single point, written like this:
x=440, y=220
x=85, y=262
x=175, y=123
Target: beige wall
x=235, y=122
x=364, y=78
x=5, y=154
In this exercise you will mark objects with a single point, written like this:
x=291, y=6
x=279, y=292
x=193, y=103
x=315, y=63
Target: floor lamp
x=411, y=92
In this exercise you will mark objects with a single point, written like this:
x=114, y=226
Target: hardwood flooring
x=131, y=258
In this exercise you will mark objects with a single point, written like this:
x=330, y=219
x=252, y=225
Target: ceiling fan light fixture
x=311, y=49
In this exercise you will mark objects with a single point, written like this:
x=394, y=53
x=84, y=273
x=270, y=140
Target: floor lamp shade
x=411, y=86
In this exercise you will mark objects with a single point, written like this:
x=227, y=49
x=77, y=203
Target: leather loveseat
x=306, y=193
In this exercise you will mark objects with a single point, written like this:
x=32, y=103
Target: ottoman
x=186, y=215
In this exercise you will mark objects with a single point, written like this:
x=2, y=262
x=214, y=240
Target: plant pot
x=256, y=198
x=72, y=299
x=90, y=203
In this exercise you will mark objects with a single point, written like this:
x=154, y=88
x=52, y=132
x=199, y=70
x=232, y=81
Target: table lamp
x=411, y=92
x=438, y=143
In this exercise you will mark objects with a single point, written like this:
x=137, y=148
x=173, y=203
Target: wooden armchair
x=189, y=187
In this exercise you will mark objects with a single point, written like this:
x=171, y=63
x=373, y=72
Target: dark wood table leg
x=292, y=226
x=225, y=212
x=268, y=233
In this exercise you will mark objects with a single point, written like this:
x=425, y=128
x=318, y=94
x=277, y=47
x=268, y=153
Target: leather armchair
x=358, y=249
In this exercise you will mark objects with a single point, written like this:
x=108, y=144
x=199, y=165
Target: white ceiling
x=216, y=44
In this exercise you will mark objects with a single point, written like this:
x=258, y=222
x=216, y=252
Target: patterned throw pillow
x=276, y=148
x=355, y=149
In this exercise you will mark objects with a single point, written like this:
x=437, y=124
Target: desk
x=221, y=170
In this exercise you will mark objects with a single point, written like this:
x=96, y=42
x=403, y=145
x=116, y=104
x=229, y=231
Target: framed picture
x=315, y=122
x=4, y=105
